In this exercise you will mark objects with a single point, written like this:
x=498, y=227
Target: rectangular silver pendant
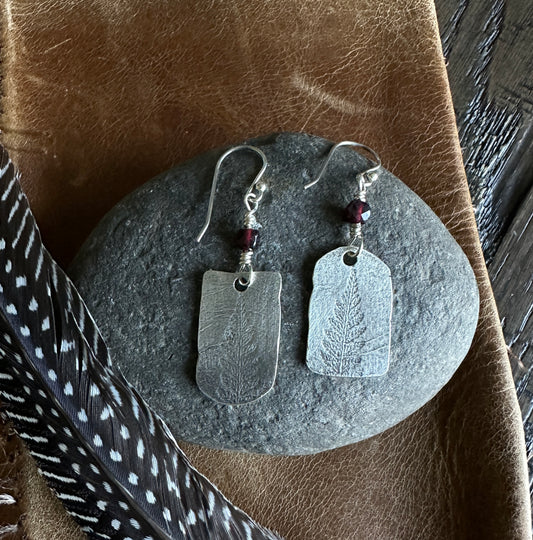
x=238, y=336
x=350, y=316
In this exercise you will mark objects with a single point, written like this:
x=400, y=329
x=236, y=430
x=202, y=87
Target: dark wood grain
x=488, y=50
x=512, y=280
x=488, y=46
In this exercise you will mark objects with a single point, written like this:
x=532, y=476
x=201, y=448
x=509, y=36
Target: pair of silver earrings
x=240, y=312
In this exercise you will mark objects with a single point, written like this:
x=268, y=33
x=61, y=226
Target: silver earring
x=240, y=312
x=351, y=303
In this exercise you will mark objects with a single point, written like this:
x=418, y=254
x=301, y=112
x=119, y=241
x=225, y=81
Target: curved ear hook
x=249, y=196
x=354, y=145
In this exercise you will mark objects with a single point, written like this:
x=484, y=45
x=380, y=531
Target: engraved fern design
x=236, y=378
x=344, y=335
x=232, y=362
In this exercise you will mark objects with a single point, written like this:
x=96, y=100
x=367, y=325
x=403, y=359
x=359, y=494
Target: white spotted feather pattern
x=109, y=458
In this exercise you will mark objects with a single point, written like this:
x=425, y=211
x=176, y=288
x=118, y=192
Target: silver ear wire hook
x=365, y=178
x=251, y=199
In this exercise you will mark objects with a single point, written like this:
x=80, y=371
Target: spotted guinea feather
x=109, y=458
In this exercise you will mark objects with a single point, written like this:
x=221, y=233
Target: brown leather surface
x=100, y=96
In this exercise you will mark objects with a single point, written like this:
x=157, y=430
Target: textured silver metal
x=238, y=336
x=350, y=316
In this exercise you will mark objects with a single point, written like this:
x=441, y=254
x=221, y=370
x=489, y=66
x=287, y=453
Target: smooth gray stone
x=141, y=269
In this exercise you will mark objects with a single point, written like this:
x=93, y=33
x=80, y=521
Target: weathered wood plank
x=488, y=46
x=512, y=281
x=490, y=66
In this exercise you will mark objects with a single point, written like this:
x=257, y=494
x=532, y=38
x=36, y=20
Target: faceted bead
x=357, y=211
x=247, y=239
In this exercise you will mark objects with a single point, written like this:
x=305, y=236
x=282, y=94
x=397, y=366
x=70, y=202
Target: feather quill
x=108, y=457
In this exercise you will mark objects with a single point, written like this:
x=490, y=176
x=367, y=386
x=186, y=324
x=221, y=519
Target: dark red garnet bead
x=357, y=211
x=247, y=239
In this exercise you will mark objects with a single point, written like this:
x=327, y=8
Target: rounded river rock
x=141, y=269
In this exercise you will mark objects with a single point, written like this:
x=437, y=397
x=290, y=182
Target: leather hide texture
x=99, y=96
